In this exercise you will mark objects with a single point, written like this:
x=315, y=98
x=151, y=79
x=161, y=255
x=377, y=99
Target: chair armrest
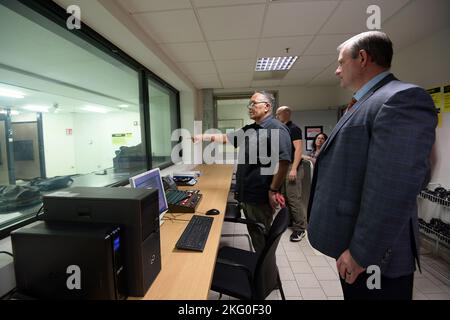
x=247, y=221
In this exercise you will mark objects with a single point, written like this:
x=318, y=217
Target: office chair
x=250, y=275
x=233, y=214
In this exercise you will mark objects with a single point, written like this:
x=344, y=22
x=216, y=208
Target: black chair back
x=266, y=273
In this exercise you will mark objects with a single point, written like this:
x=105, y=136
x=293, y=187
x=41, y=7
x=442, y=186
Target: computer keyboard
x=175, y=196
x=195, y=234
x=183, y=201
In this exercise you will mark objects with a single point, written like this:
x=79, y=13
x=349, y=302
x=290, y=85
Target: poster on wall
x=436, y=95
x=121, y=139
x=447, y=98
x=310, y=134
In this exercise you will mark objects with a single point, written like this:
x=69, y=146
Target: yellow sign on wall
x=436, y=94
x=447, y=98
x=121, y=139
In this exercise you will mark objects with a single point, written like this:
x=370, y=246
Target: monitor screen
x=152, y=179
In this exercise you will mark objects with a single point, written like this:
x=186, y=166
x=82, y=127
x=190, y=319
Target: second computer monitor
x=152, y=179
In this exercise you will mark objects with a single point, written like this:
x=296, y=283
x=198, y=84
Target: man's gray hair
x=269, y=97
x=377, y=45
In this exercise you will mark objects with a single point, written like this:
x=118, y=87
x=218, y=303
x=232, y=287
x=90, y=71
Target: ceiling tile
x=133, y=6
x=234, y=49
x=215, y=3
x=265, y=83
x=422, y=18
x=319, y=61
x=198, y=77
x=187, y=52
x=232, y=66
x=237, y=76
x=274, y=47
x=326, y=44
x=300, y=76
x=239, y=22
x=202, y=67
x=357, y=9
x=296, y=18
x=236, y=84
x=326, y=78
x=161, y=26
x=208, y=85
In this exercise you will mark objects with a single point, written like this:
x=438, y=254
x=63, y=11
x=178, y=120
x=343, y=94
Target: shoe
x=297, y=236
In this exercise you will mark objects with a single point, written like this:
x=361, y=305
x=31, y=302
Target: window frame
x=47, y=14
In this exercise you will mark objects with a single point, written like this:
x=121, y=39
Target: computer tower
x=69, y=261
x=136, y=211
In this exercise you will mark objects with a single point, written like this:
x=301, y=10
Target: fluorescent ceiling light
x=11, y=93
x=95, y=109
x=124, y=106
x=12, y=112
x=36, y=108
x=275, y=63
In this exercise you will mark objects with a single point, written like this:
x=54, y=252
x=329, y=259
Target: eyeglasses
x=251, y=104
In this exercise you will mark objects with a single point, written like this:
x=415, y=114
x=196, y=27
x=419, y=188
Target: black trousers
x=391, y=288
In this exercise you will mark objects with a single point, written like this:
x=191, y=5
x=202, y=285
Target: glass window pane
x=163, y=120
x=69, y=114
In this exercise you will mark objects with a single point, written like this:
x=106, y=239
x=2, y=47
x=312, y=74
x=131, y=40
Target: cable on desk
x=39, y=211
x=174, y=218
x=8, y=253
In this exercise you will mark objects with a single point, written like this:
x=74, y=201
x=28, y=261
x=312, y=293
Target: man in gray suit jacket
x=363, y=201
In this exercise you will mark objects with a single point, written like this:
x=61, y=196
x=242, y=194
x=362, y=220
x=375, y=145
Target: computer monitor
x=152, y=179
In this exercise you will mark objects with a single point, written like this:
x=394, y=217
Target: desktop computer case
x=69, y=261
x=136, y=211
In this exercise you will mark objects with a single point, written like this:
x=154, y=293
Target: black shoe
x=297, y=236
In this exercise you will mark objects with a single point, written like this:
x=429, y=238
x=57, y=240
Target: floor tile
x=317, y=261
x=290, y=288
x=306, y=280
x=274, y=295
x=332, y=288
x=286, y=273
x=296, y=256
x=282, y=261
x=325, y=273
x=438, y=296
x=301, y=267
x=294, y=298
x=425, y=286
x=313, y=294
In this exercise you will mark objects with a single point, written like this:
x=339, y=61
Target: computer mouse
x=212, y=212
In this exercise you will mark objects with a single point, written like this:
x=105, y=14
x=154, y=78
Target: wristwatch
x=273, y=190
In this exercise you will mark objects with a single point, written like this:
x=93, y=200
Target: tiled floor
x=307, y=274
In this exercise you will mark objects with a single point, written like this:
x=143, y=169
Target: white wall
x=299, y=98
x=90, y=147
x=94, y=148
x=59, y=147
x=427, y=64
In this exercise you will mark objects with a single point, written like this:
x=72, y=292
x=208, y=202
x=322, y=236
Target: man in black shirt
x=263, y=146
x=292, y=188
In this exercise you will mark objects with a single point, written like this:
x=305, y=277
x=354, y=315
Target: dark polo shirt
x=255, y=149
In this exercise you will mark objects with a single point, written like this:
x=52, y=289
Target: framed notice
x=310, y=134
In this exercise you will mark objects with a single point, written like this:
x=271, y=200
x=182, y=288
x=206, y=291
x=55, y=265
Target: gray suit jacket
x=367, y=177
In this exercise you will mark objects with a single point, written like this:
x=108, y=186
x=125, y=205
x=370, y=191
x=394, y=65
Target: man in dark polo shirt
x=292, y=188
x=264, y=146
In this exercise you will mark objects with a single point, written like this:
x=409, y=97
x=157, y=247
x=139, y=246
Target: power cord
x=174, y=218
x=39, y=211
